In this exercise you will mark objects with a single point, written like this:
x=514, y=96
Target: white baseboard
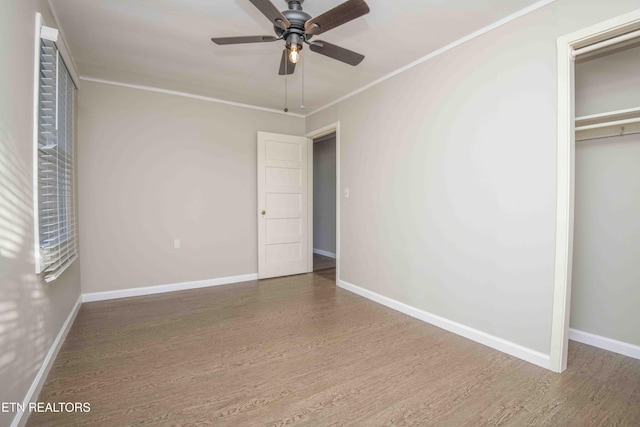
x=324, y=253
x=500, y=344
x=160, y=289
x=605, y=343
x=20, y=418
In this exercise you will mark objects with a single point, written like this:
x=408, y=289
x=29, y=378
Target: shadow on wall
x=23, y=336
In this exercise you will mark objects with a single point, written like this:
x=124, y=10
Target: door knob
x=264, y=212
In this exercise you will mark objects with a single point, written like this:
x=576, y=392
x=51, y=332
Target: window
x=54, y=151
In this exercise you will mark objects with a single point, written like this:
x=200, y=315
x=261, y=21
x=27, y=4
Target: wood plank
x=298, y=350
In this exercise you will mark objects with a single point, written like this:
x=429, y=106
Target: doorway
x=285, y=202
x=324, y=202
x=590, y=38
x=606, y=248
x=321, y=135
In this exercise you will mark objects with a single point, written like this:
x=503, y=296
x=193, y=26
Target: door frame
x=315, y=134
x=566, y=174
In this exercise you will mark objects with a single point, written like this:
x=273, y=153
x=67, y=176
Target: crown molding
x=392, y=74
x=439, y=52
x=189, y=95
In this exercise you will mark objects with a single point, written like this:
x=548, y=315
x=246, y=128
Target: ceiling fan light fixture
x=294, y=54
x=294, y=45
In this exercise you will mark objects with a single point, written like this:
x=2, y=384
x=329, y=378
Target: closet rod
x=607, y=124
x=606, y=43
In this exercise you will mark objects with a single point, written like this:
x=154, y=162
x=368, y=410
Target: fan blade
x=339, y=15
x=245, y=39
x=285, y=62
x=336, y=52
x=272, y=13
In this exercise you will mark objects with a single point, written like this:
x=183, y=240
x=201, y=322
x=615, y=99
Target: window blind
x=56, y=210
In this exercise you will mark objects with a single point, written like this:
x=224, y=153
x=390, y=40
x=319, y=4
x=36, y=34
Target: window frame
x=54, y=269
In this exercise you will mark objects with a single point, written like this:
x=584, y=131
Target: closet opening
x=598, y=189
x=605, y=284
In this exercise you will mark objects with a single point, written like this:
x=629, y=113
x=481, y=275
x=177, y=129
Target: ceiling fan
x=296, y=27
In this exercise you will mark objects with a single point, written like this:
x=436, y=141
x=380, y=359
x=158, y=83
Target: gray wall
x=608, y=83
x=157, y=167
x=324, y=194
x=451, y=167
x=32, y=312
x=605, y=292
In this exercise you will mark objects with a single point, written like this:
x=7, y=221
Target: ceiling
x=166, y=44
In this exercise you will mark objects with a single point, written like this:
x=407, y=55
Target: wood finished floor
x=321, y=262
x=300, y=351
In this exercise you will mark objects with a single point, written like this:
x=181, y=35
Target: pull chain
x=302, y=104
x=286, y=71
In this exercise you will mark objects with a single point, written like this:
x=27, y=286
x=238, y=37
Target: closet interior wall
x=605, y=293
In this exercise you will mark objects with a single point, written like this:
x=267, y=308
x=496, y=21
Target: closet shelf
x=613, y=123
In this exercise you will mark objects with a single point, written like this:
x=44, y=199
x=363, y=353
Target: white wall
x=605, y=287
x=157, y=167
x=324, y=194
x=451, y=167
x=32, y=312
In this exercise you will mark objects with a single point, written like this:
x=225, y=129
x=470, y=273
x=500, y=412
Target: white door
x=282, y=205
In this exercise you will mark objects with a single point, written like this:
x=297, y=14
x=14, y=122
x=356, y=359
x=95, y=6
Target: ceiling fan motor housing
x=295, y=34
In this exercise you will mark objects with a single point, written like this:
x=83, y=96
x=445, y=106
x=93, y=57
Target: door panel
x=282, y=205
